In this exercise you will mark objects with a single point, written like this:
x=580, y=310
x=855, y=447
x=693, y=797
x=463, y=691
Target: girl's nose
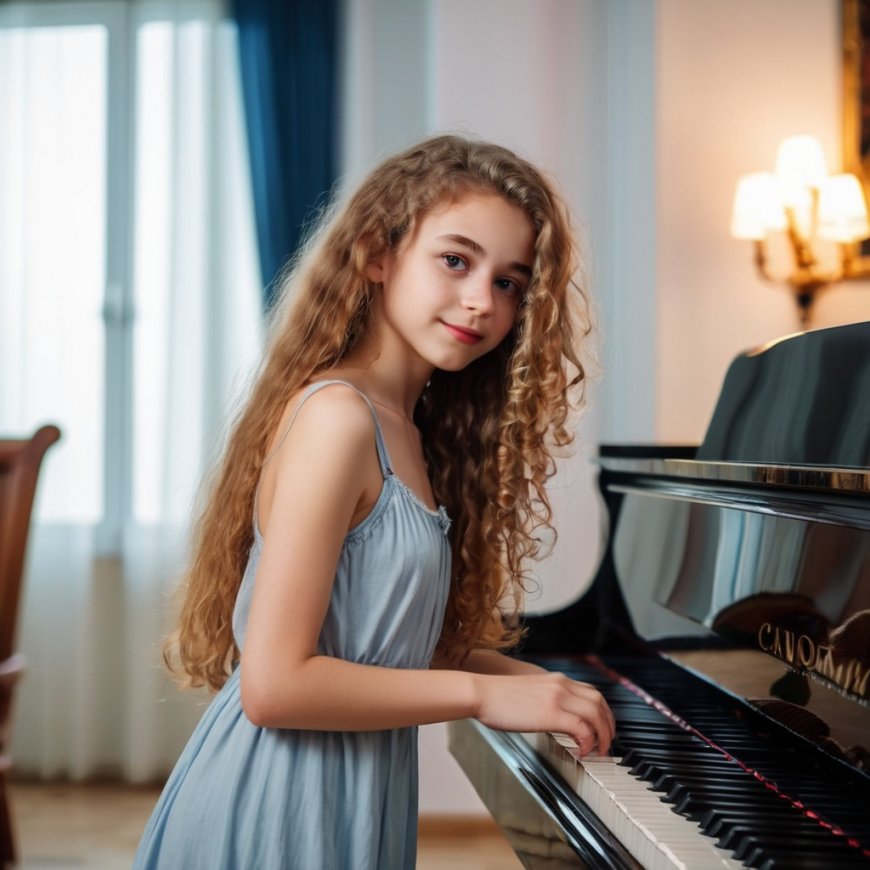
x=477, y=295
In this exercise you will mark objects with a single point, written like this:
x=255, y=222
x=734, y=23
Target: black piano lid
x=754, y=547
x=802, y=400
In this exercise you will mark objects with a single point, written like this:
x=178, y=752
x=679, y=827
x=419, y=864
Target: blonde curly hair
x=488, y=431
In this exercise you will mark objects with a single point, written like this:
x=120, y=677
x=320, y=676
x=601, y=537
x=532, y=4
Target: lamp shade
x=757, y=209
x=842, y=209
x=800, y=164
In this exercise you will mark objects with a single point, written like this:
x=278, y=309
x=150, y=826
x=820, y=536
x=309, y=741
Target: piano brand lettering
x=802, y=652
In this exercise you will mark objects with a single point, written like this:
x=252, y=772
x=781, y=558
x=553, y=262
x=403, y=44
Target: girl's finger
x=597, y=717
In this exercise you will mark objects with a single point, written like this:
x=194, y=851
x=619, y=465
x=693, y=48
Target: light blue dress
x=248, y=798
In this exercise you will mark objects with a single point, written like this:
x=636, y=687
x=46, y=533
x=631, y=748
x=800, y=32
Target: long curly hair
x=488, y=431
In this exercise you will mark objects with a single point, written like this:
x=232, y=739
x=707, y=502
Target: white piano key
x=657, y=837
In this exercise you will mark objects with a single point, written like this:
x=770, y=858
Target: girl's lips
x=460, y=333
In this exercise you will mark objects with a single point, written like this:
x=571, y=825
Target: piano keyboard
x=713, y=793
x=655, y=836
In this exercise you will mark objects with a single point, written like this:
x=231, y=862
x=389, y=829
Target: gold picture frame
x=855, y=29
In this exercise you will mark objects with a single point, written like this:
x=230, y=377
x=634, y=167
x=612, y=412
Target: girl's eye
x=454, y=261
x=508, y=286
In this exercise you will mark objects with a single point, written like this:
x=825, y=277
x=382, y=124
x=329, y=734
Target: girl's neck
x=396, y=404
x=390, y=386
x=399, y=412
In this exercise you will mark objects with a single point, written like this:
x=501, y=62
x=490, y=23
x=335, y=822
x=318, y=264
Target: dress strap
x=310, y=390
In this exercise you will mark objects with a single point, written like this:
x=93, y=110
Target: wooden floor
x=68, y=827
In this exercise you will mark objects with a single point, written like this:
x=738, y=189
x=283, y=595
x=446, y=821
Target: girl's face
x=451, y=288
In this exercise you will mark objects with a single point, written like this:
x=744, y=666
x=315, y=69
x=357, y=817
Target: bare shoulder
x=333, y=424
x=326, y=456
x=336, y=414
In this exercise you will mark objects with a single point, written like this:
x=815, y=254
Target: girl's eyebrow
x=481, y=251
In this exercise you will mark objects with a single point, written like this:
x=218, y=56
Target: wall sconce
x=800, y=199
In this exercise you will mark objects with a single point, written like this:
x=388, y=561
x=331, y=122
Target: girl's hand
x=546, y=702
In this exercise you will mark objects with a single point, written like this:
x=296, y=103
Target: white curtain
x=130, y=316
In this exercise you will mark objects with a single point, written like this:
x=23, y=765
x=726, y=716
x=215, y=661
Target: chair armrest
x=11, y=669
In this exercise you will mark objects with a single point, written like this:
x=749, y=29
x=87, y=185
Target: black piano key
x=638, y=760
x=650, y=769
x=713, y=819
x=729, y=811
x=731, y=836
x=714, y=772
x=652, y=740
x=730, y=819
x=736, y=836
x=644, y=722
x=711, y=774
x=688, y=795
x=690, y=757
x=692, y=804
x=639, y=745
x=789, y=852
x=792, y=861
x=725, y=785
x=650, y=753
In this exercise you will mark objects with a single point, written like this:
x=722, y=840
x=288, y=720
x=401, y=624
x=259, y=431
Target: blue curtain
x=288, y=66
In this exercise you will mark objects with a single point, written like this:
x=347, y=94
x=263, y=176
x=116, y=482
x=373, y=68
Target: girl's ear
x=375, y=270
x=378, y=266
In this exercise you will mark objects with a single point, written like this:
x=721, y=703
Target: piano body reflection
x=729, y=627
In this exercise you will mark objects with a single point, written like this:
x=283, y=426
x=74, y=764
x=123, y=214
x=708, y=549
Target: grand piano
x=728, y=626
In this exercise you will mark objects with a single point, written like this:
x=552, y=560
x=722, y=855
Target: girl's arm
x=324, y=476
x=487, y=661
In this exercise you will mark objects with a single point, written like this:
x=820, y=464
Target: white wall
x=647, y=111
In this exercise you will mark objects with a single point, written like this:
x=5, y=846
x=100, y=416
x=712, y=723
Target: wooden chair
x=19, y=468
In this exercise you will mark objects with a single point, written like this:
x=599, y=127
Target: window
x=128, y=282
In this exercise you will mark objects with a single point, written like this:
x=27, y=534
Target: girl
x=359, y=562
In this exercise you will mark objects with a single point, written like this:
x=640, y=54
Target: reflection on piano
x=729, y=628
